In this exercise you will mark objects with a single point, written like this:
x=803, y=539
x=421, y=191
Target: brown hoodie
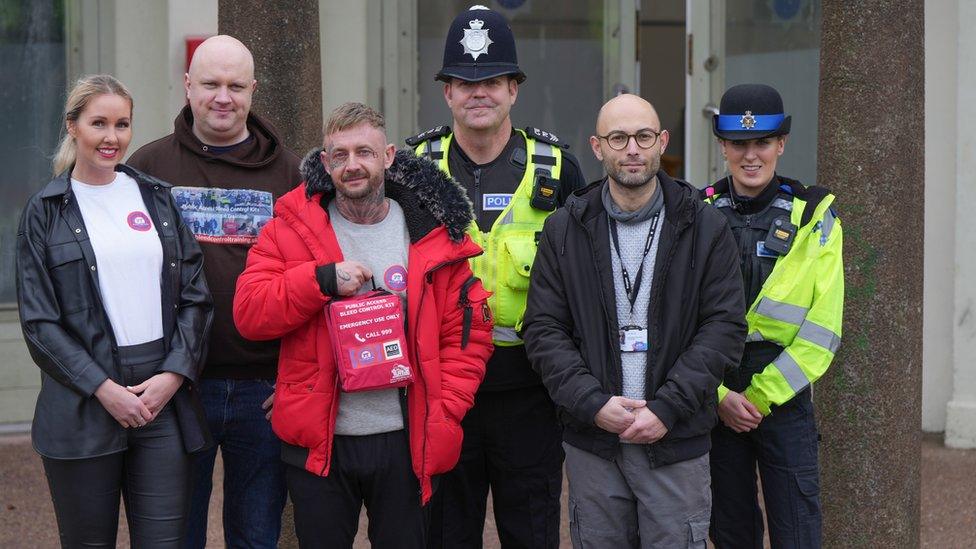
x=225, y=198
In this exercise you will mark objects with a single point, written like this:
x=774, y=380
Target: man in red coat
x=367, y=213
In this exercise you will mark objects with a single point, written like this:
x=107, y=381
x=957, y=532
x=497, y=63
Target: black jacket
x=695, y=320
x=68, y=332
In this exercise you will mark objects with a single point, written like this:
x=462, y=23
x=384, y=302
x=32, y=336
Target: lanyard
x=633, y=289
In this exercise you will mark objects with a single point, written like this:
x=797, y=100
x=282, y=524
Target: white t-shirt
x=128, y=254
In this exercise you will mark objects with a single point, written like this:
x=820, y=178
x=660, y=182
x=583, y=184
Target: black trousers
x=152, y=475
x=785, y=449
x=512, y=446
x=374, y=470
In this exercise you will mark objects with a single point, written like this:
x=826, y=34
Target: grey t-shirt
x=382, y=247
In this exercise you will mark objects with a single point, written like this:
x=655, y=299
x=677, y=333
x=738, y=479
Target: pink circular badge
x=396, y=278
x=139, y=221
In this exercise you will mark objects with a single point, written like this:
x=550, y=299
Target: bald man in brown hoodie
x=228, y=167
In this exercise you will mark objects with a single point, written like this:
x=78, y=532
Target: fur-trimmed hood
x=428, y=196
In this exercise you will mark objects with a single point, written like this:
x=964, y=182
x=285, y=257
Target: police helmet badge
x=476, y=40
x=748, y=121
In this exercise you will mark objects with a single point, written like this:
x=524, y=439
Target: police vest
x=801, y=304
x=511, y=243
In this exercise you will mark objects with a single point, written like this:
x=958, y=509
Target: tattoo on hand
x=343, y=275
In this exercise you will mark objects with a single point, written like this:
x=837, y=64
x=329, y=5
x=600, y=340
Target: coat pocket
x=70, y=276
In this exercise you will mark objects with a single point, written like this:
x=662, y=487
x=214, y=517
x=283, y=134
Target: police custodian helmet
x=750, y=111
x=480, y=45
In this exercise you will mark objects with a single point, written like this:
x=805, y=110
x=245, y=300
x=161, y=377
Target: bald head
x=219, y=87
x=623, y=108
x=222, y=50
x=629, y=141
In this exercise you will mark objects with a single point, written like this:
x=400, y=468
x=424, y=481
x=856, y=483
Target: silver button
x=173, y=264
x=155, y=187
x=175, y=306
x=165, y=223
x=78, y=231
x=93, y=267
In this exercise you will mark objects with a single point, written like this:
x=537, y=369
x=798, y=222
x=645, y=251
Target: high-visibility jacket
x=801, y=305
x=511, y=243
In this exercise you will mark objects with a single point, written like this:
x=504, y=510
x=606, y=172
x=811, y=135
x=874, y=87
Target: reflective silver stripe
x=545, y=149
x=723, y=202
x=784, y=312
x=791, y=371
x=818, y=335
x=754, y=337
x=828, y=223
x=509, y=217
x=435, y=145
x=504, y=334
x=783, y=204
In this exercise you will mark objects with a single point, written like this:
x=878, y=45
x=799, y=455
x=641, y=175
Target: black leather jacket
x=68, y=332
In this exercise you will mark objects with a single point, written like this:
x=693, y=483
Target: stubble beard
x=632, y=180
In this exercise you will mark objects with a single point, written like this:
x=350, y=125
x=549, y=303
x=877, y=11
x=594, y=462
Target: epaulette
x=427, y=135
x=812, y=195
x=546, y=137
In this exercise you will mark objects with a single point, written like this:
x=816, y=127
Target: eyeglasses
x=339, y=159
x=618, y=140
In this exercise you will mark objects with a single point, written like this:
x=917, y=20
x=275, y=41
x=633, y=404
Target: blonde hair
x=84, y=90
x=352, y=114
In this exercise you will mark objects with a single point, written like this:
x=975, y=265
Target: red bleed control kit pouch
x=369, y=341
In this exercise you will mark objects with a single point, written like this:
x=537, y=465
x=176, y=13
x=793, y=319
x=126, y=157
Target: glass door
x=752, y=41
x=575, y=54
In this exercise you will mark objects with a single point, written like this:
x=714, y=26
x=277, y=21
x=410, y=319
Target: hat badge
x=748, y=121
x=476, y=40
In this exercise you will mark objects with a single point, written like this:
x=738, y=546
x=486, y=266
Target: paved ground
x=27, y=519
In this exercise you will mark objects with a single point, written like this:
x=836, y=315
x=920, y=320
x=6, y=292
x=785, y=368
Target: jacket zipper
x=428, y=278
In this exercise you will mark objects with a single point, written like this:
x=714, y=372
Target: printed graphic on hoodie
x=224, y=216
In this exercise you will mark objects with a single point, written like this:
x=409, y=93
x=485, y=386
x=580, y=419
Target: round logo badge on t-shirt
x=396, y=278
x=139, y=221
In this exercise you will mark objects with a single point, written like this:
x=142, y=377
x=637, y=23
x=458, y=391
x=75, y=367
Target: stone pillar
x=961, y=410
x=872, y=155
x=284, y=38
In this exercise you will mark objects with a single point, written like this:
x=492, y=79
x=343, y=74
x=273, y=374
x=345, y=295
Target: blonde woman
x=115, y=311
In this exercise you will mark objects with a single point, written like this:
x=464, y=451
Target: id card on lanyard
x=633, y=338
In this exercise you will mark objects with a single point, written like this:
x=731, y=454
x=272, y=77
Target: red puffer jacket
x=278, y=296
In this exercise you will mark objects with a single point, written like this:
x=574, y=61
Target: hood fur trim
x=439, y=196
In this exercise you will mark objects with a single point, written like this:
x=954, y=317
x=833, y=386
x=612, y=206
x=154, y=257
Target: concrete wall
x=961, y=411
x=941, y=34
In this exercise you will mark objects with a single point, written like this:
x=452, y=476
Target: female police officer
x=790, y=251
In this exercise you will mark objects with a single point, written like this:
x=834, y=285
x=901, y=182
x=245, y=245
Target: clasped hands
x=136, y=406
x=631, y=419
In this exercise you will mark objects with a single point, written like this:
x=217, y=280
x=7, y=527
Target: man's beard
x=375, y=181
x=632, y=180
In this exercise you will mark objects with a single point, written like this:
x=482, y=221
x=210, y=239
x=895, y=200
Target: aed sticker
x=763, y=251
x=495, y=201
x=392, y=350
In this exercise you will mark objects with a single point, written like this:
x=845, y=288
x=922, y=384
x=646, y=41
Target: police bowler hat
x=750, y=111
x=480, y=45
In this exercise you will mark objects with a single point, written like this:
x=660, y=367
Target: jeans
x=254, y=482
